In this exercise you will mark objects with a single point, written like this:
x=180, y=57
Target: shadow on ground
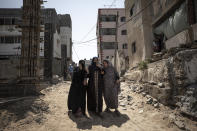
x=27, y=110
x=107, y=120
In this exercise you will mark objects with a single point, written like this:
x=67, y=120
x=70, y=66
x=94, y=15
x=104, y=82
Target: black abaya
x=95, y=89
x=77, y=93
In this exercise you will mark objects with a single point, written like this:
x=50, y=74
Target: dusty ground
x=50, y=113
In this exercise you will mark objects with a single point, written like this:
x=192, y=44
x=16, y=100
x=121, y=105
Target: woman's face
x=95, y=60
x=105, y=64
x=80, y=67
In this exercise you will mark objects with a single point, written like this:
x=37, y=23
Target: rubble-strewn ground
x=139, y=112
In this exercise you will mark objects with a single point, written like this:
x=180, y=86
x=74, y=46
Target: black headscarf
x=94, y=63
x=82, y=62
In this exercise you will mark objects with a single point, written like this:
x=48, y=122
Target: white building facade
x=108, y=29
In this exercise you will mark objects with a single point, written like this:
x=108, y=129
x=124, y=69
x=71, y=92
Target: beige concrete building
x=106, y=32
x=158, y=24
x=139, y=31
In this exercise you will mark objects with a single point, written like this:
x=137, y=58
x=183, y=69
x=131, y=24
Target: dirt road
x=50, y=113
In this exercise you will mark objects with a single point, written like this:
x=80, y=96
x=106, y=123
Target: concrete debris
x=155, y=101
x=122, y=104
x=133, y=88
x=149, y=101
x=129, y=98
x=180, y=124
x=141, y=111
x=161, y=85
x=143, y=94
x=148, y=96
x=152, y=83
x=124, y=108
x=156, y=105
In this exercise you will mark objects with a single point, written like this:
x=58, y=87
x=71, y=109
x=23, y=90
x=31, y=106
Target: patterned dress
x=111, y=88
x=95, y=89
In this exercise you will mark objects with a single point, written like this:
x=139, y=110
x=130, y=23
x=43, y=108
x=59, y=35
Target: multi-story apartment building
x=66, y=34
x=52, y=53
x=111, y=32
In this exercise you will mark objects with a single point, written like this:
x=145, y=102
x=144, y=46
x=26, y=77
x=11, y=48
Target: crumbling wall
x=184, y=81
x=172, y=81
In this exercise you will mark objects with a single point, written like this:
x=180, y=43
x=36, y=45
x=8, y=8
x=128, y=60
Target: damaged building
x=53, y=49
x=163, y=34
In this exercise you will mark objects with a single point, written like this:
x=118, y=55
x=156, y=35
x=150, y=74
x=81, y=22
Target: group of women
x=96, y=81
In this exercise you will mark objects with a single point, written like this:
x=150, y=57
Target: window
x=124, y=32
x=133, y=47
x=123, y=19
x=125, y=46
x=18, y=39
x=108, y=45
x=108, y=31
x=13, y=21
x=1, y=21
x=7, y=21
x=10, y=39
x=132, y=10
x=2, y=39
x=108, y=18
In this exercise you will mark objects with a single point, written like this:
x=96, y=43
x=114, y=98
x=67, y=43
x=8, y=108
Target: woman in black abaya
x=95, y=87
x=77, y=93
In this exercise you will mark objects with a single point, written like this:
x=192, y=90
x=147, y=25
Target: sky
x=84, y=17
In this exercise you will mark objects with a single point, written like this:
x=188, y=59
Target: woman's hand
x=118, y=81
x=98, y=65
x=85, y=83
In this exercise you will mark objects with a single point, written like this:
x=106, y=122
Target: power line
x=123, y=23
x=89, y=44
x=112, y=3
x=95, y=24
x=75, y=52
x=86, y=41
x=88, y=32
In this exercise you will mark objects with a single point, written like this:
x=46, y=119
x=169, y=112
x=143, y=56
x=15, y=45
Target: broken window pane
x=124, y=32
x=108, y=31
x=133, y=47
x=108, y=18
x=108, y=45
x=174, y=24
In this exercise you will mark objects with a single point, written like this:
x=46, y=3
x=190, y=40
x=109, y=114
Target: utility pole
x=100, y=39
x=116, y=41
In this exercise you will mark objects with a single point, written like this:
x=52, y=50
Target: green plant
x=148, y=60
x=143, y=65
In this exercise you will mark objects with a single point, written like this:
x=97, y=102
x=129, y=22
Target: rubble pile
x=126, y=99
x=171, y=81
x=133, y=96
